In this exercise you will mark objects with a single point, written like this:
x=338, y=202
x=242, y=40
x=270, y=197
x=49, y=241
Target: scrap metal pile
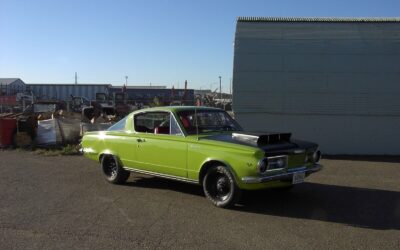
x=213, y=99
x=48, y=123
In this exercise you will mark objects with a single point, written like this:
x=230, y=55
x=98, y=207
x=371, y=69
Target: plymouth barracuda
x=200, y=145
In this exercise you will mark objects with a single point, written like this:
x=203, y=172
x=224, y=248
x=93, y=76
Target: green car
x=200, y=145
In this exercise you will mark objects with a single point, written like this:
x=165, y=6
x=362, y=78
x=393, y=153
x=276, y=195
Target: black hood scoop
x=261, y=139
x=271, y=143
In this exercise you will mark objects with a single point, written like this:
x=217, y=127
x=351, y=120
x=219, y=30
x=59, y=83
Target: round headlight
x=263, y=165
x=280, y=163
x=316, y=156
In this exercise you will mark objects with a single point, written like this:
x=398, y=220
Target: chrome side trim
x=282, y=176
x=165, y=176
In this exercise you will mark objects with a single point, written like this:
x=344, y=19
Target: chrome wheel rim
x=218, y=186
x=110, y=167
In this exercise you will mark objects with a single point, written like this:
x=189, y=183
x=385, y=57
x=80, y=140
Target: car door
x=162, y=147
x=123, y=142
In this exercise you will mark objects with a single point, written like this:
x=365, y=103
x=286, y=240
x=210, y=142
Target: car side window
x=152, y=122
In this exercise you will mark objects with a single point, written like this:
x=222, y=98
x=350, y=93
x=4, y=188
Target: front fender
x=209, y=162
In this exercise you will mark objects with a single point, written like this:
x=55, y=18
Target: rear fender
x=106, y=152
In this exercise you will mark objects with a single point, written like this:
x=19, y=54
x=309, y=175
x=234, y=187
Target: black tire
x=220, y=187
x=113, y=170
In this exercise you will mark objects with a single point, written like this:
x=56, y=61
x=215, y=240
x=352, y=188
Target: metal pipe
x=220, y=89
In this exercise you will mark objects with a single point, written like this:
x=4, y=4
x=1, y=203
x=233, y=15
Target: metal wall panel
x=336, y=83
x=64, y=91
x=146, y=95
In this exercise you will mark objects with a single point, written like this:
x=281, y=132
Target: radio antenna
x=197, y=125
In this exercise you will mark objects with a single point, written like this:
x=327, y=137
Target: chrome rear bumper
x=288, y=175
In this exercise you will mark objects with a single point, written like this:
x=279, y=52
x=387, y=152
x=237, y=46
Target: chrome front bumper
x=288, y=175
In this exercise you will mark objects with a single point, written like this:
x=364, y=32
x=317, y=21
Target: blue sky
x=162, y=42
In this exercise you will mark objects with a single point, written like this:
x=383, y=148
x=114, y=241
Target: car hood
x=270, y=142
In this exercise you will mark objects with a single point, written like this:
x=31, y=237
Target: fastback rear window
x=119, y=125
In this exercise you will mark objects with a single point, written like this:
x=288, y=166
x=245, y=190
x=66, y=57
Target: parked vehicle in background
x=122, y=107
x=78, y=103
x=97, y=118
x=203, y=146
x=43, y=106
x=102, y=98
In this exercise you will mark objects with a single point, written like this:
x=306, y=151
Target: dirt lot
x=63, y=202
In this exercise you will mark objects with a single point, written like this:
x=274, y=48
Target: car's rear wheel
x=220, y=187
x=113, y=170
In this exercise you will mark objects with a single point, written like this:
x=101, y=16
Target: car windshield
x=208, y=121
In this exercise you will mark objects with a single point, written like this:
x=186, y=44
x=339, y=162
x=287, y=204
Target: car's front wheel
x=113, y=170
x=220, y=187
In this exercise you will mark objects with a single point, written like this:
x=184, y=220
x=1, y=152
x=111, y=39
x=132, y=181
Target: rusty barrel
x=7, y=129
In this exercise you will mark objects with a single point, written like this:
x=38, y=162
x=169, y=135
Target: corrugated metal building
x=335, y=81
x=146, y=95
x=58, y=91
x=11, y=86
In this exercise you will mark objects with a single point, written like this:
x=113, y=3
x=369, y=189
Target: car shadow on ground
x=160, y=183
x=360, y=207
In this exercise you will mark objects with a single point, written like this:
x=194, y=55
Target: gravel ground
x=63, y=203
